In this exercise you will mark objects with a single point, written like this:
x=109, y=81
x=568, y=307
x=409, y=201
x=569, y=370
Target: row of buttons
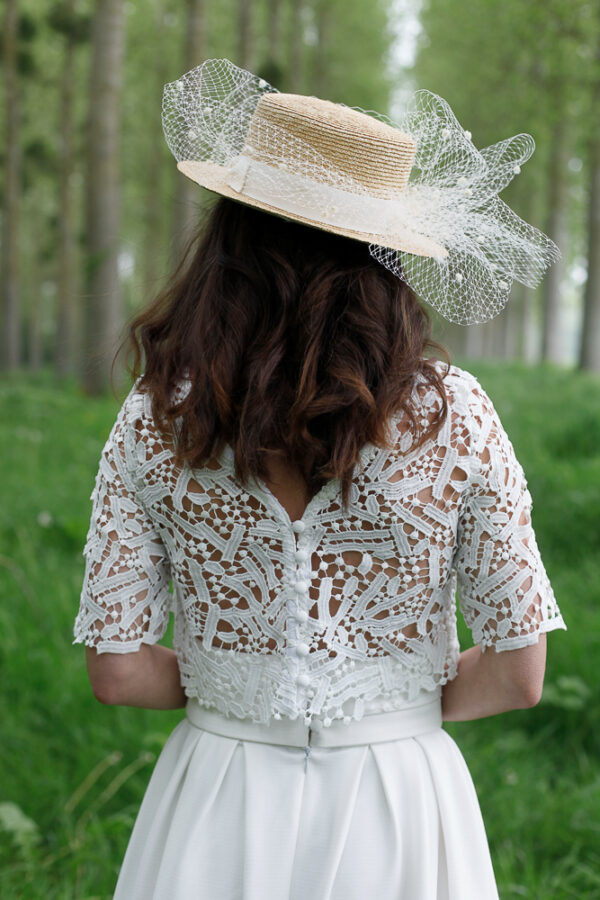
x=301, y=587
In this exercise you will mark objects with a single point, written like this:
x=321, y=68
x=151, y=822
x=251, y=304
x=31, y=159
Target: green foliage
x=69, y=23
x=506, y=67
x=155, y=40
x=74, y=772
x=72, y=767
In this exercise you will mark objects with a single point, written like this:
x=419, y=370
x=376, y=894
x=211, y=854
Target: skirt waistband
x=371, y=729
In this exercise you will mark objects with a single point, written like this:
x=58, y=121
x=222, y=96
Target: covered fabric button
x=303, y=679
x=301, y=616
x=301, y=555
x=298, y=526
x=302, y=649
x=301, y=587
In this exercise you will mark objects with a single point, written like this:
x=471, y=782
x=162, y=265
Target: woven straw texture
x=417, y=190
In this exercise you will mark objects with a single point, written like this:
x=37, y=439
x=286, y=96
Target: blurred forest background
x=94, y=217
x=94, y=212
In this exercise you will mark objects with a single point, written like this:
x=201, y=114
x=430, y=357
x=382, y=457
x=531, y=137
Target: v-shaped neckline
x=264, y=494
x=258, y=489
x=325, y=492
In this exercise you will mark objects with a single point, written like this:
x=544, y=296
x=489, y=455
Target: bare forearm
x=479, y=689
x=149, y=678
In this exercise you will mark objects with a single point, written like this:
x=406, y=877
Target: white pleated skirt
x=380, y=809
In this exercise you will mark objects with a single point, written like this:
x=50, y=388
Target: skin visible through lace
x=374, y=585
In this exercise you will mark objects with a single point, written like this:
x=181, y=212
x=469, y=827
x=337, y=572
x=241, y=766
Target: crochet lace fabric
x=324, y=615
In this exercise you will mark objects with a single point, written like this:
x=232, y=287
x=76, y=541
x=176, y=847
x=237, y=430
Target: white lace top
x=328, y=615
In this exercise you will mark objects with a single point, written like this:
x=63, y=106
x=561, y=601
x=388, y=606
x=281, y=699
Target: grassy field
x=73, y=772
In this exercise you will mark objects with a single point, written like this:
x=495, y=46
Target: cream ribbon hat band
x=417, y=191
x=332, y=208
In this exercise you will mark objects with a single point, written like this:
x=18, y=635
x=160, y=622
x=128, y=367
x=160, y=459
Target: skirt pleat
x=230, y=819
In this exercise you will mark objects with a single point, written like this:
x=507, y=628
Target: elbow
x=530, y=694
x=118, y=678
x=106, y=676
x=105, y=693
x=526, y=669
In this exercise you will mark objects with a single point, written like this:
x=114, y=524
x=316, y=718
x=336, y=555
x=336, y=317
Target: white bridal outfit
x=311, y=761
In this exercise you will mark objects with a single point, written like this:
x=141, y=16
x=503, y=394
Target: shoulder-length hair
x=293, y=340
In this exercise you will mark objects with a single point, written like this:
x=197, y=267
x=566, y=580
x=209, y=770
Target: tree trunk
x=515, y=339
x=67, y=323
x=104, y=303
x=522, y=328
x=187, y=192
x=320, y=69
x=34, y=290
x=152, y=259
x=295, y=75
x=10, y=355
x=552, y=344
x=589, y=354
x=510, y=321
x=274, y=29
x=530, y=327
x=245, y=34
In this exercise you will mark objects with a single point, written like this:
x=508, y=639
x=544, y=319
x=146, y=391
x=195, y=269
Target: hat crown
x=372, y=153
x=447, y=234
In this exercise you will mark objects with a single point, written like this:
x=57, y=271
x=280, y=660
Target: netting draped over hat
x=433, y=217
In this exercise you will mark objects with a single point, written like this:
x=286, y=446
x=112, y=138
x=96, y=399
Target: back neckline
x=263, y=493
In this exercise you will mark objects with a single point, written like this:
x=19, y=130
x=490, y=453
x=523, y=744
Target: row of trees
x=94, y=212
x=507, y=67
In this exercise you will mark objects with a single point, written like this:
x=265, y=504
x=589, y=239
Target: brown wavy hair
x=295, y=341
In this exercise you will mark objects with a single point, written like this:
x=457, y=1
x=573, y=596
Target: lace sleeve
x=504, y=592
x=125, y=599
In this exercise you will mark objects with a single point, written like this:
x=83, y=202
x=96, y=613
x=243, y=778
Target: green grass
x=77, y=770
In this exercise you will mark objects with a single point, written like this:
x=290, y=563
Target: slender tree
x=324, y=37
x=103, y=295
x=74, y=29
x=271, y=67
x=523, y=64
x=557, y=229
x=9, y=275
x=589, y=351
x=509, y=323
x=296, y=44
x=245, y=36
x=186, y=197
x=589, y=357
x=153, y=204
x=274, y=29
x=33, y=278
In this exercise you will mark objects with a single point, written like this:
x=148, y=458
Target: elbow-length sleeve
x=125, y=599
x=504, y=592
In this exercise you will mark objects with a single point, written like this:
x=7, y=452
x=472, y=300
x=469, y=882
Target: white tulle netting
x=469, y=246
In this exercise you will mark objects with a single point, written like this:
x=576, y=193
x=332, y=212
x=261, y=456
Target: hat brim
x=214, y=178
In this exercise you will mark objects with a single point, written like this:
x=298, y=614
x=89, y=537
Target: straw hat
x=376, y=155
x=418, y=191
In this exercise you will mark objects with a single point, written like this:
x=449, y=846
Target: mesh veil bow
x=416, y=190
